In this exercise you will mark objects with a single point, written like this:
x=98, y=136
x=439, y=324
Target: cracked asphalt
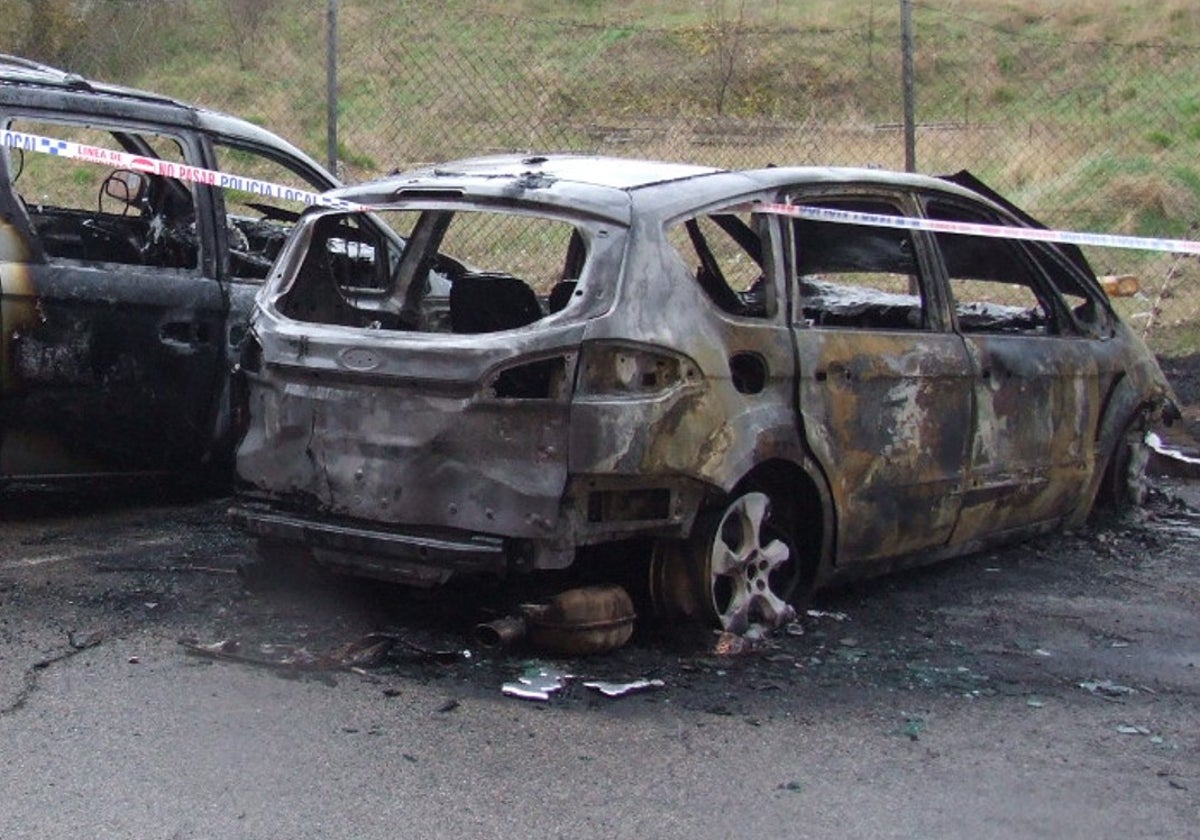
x=1048, y=689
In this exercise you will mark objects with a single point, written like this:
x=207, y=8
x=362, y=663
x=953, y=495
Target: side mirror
x=126, y=186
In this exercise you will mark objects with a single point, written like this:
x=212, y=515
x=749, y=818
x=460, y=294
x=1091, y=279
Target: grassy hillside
x=1085, y=111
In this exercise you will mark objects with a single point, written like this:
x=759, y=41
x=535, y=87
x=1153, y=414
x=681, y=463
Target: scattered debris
x=612, y=689
x=449, y=706
x=836, y=616
x=795, y=786
x=1035, y=703
x=204, y=570
x=81, y=640
x=1130, y=729
x=426, y=654
x=367, y=652
x=371, y=651
x=1171, y=460
x=849, y=653
x=537, y=683
x=225, y=646
x=913, y=727
x=1107, y=689
x=731, y=644
x=960, y=679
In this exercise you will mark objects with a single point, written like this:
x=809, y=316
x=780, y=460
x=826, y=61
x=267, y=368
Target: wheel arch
x=809, y=512
x=1125, y=407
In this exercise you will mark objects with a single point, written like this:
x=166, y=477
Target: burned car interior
x=855, y=275
x=133, y=268
x=353, y=274
x=89, y=213
x=81, y=211
x=533, y=268
x=869, y=277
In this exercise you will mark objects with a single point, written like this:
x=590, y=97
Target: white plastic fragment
x=836, y=616
x=536, y=684
x=1156, y=443
x=611, y=689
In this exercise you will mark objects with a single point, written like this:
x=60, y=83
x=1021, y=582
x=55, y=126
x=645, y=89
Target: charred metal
x=125, y=295
x=538, y=360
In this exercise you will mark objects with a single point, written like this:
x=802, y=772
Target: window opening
x=724, y=253
x=995, y=287
x=90, y=213
x=437, y=270
x=857, y=276
x=257, y=225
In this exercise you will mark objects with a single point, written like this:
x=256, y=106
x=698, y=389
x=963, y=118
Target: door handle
x=183, y=332
x=835, y=371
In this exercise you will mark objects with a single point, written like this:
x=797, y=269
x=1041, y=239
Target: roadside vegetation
x=1086, y=112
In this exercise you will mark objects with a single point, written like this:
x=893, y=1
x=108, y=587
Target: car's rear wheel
x=739, y=570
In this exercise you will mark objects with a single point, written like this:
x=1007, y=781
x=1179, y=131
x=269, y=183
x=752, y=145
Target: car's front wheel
x=1125, y=480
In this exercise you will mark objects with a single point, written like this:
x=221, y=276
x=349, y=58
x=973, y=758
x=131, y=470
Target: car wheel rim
x=751, y=567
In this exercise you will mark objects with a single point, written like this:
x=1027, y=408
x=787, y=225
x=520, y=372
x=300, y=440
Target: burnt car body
x=631, y=353
x=125, y=295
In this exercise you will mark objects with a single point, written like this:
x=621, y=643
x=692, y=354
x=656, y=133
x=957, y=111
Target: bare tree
x=725, y=32
x=246, y=21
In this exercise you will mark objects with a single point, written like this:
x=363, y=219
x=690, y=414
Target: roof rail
x=71, y=79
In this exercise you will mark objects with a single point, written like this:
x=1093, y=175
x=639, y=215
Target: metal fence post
x=909, y=73
x=331, y=92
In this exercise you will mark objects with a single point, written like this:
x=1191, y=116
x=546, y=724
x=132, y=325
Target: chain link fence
x=1085, y=135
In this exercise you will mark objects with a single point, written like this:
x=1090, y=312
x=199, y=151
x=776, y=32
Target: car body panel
x=899, y=443
x=1037, y=406
x=890, y=414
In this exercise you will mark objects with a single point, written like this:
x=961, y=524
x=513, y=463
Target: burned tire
x=1125, y=484
x=739, y=570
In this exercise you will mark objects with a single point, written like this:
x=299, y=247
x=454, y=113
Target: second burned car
x=124, y=293
x=570, y=353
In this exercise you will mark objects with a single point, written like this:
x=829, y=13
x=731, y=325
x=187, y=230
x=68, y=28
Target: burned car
x=126, y=293
x=575, y=358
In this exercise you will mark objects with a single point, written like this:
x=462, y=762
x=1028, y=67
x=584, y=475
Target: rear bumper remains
x=412, y=556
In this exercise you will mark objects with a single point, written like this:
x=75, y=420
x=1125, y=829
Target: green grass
x=1046, y=102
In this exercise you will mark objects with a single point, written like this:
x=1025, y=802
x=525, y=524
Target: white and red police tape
x=1103, y=240
x=167, y=169
x=267, y=189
